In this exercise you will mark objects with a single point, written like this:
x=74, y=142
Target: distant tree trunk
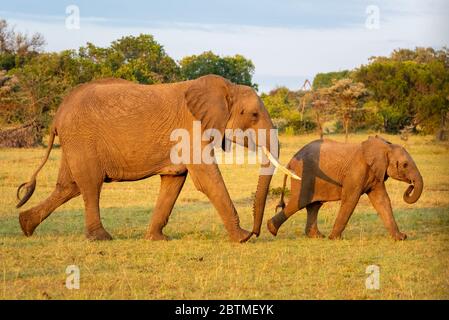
x=25, y=136
x=346, y=124
x=320, y=126
x=442, y=133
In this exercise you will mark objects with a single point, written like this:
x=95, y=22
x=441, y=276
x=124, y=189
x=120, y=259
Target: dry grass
x=200, y=263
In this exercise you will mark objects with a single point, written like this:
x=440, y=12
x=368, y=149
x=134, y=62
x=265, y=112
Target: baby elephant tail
x=281, y=204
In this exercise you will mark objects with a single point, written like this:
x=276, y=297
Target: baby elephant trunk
x=414, y=190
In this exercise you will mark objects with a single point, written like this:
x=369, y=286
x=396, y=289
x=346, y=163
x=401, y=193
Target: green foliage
x=33, y=84
x=345, y=100
x=37, y=88
x=7, y=61
x=140, y=59
x=409, y=87
x=283, y=107
x=17, y=48
x=324, y=80
x=238, y=69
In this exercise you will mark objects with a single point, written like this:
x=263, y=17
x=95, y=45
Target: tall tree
x=325, y=80
x=346, y=99
x=236, y=68
x=410, y=88
x=318, y=100
x=16, y=47
x=141, y=59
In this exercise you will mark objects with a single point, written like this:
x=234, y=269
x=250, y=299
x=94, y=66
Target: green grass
x=200, y=262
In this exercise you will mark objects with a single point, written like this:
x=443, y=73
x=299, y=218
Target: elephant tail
x=31, y=185
x=281, y=204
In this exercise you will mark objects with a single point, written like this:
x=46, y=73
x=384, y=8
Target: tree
x=345, y=98
x=236, y=68
x=306, y=87
x=282, y=105
x=140, y=59
x=318, y=101
x=32, y=91
x=16, y=47
x=324, y=80
x=410, y=88
x=40, y=86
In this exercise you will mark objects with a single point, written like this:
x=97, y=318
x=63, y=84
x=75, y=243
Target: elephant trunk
x=259, y=201
x=414, y=190
x=263, y=185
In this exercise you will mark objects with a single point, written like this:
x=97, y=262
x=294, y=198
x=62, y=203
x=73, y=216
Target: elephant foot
x=400, y=236
x=156, y=236
x=99, y=234
x=273, y=230
x=240, y=235
x=335, y=237
x=27, y=223
x=315, y=234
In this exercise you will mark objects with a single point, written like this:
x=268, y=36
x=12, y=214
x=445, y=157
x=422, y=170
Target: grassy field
x=200, y=262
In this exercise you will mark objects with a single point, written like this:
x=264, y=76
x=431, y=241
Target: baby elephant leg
x=275, y=223
x=347, y=206
x=312, y=216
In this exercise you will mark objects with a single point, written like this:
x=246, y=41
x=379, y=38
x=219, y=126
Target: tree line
x=33, y=82
x=407, y=90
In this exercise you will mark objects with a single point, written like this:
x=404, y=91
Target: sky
x=288, y=41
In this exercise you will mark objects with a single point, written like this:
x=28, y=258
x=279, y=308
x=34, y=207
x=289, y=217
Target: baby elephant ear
x=209, y=101
x=375, y=153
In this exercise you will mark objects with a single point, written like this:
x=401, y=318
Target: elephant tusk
x=278, y=165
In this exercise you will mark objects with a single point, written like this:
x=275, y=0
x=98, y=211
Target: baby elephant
x=332, y=171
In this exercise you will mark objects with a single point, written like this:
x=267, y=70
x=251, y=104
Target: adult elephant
x=116, y=130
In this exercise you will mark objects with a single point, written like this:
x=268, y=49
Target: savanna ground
x=200, y=262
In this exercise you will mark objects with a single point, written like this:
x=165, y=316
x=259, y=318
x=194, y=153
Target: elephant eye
x=405, y=165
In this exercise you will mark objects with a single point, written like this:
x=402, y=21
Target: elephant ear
x=375, y=153
x=209, y=100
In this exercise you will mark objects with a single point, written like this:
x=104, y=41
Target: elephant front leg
x=170, y=188
x=381, y=202
x=207, y=179
x=349, y=201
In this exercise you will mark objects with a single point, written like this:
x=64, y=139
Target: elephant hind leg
x=65, y=190
x=170, y=188
x=89, y=176
x=312, y=225
x=278, y=219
